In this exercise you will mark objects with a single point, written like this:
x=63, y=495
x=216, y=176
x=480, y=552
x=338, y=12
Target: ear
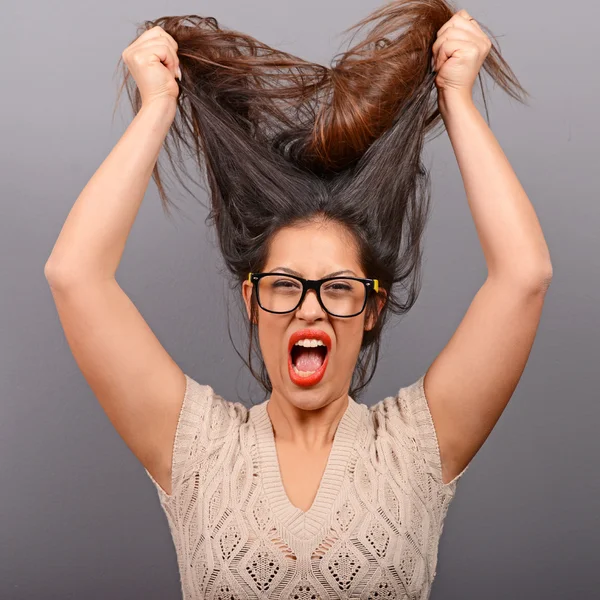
x=381, y=298
x=247, y=296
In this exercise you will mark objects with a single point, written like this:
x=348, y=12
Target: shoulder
x=403, y=422
x=205, y=424
x=208, y=411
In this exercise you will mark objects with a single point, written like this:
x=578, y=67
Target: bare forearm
x=94, y=234
x=509, y=232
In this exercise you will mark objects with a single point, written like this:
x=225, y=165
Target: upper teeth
x=309, y=343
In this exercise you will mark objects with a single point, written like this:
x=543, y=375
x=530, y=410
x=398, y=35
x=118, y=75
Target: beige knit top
x=372, y=531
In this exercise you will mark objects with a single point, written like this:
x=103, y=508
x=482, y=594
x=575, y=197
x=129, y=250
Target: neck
x=311, y=427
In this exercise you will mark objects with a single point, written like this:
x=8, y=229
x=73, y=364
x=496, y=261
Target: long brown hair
x=285, y=141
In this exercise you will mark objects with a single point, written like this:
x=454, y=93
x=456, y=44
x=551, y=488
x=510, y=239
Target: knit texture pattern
x=372, y=531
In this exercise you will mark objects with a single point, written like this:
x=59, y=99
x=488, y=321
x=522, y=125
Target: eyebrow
x=292, y=272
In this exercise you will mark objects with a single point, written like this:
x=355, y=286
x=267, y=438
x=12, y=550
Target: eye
x=338, y=286
x=285, y=283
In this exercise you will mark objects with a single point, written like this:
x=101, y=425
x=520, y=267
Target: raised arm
x=470, y=382
x=135, y=380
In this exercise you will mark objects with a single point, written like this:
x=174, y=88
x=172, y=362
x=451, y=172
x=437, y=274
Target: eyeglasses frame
x=314, y=284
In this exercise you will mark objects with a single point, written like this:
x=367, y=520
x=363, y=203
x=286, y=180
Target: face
x=314, y=251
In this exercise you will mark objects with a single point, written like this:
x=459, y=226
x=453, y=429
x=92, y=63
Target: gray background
x=79, y=517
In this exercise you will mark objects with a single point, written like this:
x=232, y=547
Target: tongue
x=309, y=359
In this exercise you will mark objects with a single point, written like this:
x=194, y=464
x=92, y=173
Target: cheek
x=348, y=344
x=271, y=337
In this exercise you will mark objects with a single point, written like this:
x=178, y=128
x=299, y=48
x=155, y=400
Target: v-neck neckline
x=299, y=522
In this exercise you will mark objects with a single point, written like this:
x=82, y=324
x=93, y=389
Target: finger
x=460, y=21
x=170, y=39
x=475, y=24
x=160, y=39
x=171, y=61
x=450, y=23
x=153, y=33
x=164, y=53
x=461, y=25
x=472, y=23
x=453, y=34
x=461, y=33
x=447, y=49
x=149, y=34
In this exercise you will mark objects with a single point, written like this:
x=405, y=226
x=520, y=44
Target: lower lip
x=310, y=379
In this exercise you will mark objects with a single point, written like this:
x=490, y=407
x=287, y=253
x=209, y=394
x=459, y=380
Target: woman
x=319, y=199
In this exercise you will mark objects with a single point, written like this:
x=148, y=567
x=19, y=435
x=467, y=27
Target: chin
x=309, y=399
x=313, y=397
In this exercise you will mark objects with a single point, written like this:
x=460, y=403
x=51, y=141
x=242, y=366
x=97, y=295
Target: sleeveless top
x=372, y=531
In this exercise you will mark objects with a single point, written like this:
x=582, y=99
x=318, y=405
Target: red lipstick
x=308, y=334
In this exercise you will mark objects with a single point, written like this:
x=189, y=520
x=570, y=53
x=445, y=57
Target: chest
x=375, y=525
x=301, y=473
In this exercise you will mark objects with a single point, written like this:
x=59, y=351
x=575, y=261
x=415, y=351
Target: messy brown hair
x=286, y=141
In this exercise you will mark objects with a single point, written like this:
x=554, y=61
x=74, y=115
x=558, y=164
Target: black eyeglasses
x=281, y=293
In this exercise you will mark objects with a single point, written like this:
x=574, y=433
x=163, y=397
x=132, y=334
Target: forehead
x=314, y=250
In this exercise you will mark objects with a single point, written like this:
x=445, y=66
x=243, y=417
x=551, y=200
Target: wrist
x=165, y=106
x=450, y=102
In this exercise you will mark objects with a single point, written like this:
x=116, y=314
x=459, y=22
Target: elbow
x=542, y=277
x=57, y=276
x=547, y=279
x=49, y=272
x=532, y=279
x=61, y=276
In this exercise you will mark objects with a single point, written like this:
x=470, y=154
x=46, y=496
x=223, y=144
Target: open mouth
x=307, y=365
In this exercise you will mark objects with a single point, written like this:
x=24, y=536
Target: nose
x=310, y=309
